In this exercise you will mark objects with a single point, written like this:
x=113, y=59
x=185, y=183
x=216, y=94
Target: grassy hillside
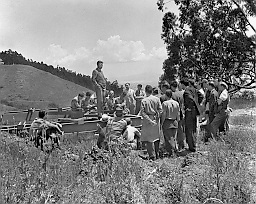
x=23, y=86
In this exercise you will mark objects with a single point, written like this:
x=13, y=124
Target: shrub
x=248, y=95
x=53, y=105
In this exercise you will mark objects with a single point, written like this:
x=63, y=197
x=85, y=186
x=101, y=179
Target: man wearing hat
x=222, y=113
x=111, y=129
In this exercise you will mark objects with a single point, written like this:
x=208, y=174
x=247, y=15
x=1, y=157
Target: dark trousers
x=180, y=135
x=153, y=149
x=190, y=129
x=219, y=120
x=170, y=140
x=208, y=127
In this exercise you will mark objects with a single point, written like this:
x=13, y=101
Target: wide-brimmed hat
x=104, y=118
x=204, y=81
x=224, y=84
x=119, y=111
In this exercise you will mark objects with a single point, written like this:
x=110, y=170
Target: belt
x=170, y=119
x=190, y=109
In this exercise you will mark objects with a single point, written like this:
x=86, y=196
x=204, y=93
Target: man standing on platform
x=100, y=86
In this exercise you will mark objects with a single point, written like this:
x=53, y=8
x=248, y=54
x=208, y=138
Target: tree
x=209, y=39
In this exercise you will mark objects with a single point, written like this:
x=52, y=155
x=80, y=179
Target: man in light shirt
x=139, y=95
x=76, y=102
x=151, y=110
x=178, y=96
x=130, y=98
x=169, y=122
x=222, y=113
x=100, y=84
x=132, y=135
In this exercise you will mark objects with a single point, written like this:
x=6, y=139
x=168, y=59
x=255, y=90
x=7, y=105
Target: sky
x=75, y=34
x=124, y=34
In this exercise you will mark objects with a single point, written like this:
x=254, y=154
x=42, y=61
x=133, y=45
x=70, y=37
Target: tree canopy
x=209, y=38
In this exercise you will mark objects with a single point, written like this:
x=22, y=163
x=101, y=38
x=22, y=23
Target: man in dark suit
x=192, y=99
x=212, y=104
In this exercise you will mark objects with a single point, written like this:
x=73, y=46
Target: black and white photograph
x=127, y=101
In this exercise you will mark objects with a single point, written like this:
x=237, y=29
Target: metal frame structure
x=86, y=123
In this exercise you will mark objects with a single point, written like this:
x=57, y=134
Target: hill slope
x=23, y=86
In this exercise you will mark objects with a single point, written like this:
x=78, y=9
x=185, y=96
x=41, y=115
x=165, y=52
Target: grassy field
x=23, y=87
x=78, y=173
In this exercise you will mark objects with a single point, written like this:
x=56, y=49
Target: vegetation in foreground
x=80, y=174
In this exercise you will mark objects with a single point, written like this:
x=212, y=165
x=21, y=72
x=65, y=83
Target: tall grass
x=241, y=103
x=79, y=173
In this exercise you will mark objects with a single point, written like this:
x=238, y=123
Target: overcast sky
x=125, y=34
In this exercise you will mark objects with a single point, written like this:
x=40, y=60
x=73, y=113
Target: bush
x=248, y=95
x=53, y=105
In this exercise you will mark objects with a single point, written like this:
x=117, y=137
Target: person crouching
x=132, y=135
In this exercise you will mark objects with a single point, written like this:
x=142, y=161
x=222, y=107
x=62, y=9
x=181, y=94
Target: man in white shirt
x=132, y=135
x=222, y=114
x=130, y=98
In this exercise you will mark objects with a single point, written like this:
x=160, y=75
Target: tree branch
x=244, y=15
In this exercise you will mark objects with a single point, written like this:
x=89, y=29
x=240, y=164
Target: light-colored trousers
x=101, y=98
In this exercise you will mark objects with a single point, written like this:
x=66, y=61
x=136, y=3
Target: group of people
x=129, y=99
x=176, y=113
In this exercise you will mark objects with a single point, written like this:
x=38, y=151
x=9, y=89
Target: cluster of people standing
x=176, y=112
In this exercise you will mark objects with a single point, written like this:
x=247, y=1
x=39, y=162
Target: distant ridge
x=23, y=86
x=10, y=57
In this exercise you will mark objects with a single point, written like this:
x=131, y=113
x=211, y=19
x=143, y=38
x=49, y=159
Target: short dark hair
x=140, y=85
x=124, y=93
x=41, y=114
x=149, y=89
x=167, y=86
x=128, y=121
x=88, y=93
x=155, y=90
x=174, y=84
x=168, y=93
x=99, y=62
x=212, y=84
x=184, y=82
x=81, y=94
x=192, y=82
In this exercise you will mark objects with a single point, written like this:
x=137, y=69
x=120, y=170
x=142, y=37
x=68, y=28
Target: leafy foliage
x=209, y=38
